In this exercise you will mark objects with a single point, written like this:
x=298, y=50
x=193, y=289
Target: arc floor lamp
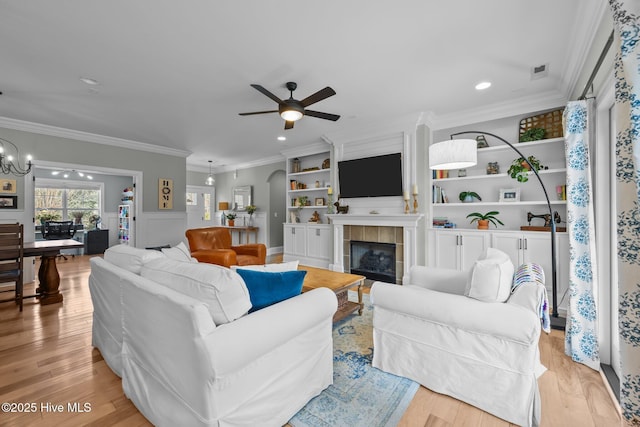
x=462, y=153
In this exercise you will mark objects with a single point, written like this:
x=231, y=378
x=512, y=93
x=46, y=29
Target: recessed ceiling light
x=483, y=85
x=282, y=138
x=90, y=82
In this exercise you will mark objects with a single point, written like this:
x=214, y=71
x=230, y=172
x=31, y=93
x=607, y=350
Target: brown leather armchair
x=213, y=245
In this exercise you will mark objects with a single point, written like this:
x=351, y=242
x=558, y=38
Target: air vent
x=539, y=71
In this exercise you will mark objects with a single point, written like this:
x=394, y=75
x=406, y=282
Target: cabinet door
x=472, y=245
x=447, y=249
x=510, y=243
x=537, y=248
x=294, y=240
x=319, y=242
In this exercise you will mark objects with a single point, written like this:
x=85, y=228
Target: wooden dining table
x=48, y=276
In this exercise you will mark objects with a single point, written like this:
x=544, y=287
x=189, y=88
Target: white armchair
x=483, y=353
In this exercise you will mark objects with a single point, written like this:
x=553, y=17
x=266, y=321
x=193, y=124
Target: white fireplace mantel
x=408, y=222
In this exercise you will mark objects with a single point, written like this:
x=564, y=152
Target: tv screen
x=371, y=177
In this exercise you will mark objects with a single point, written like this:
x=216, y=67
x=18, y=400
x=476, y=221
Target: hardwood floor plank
x=47, y=356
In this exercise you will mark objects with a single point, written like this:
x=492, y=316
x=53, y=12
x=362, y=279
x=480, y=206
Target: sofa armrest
x=529, y=295
x=439, y=279
x=224, y=257
x=257, y=250
x=509, y=321
x=256, y=334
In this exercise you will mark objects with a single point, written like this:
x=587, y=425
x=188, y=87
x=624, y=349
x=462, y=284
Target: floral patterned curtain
x=581, y=339
x=627, y=97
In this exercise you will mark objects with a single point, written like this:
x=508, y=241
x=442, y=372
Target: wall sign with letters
x=165, y=193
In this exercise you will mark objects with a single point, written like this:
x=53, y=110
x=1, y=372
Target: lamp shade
x=223, y=206
x=453, y=154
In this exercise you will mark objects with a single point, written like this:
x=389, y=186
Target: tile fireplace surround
x=400, y=229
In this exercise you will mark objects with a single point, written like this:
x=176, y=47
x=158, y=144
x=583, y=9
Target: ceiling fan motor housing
x=290, y=105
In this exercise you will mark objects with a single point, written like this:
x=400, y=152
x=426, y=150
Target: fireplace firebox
x=375, y=261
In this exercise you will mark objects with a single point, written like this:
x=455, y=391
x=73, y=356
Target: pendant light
x=210, y=179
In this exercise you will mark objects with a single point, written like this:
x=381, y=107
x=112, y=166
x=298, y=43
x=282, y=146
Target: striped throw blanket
x=531, y=272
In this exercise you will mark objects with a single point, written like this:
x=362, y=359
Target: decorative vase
x=468, y=199
x=231, y=222
x=483, y=224
x=250, y=222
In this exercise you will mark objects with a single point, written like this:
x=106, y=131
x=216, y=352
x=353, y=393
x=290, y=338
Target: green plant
x=533, y=134
x=463, y=195
x=251, y=209
x=44, y=216
x=231, y=215
x=519, y=168
x=302, y=201
x=489, y=216
x=78, y=215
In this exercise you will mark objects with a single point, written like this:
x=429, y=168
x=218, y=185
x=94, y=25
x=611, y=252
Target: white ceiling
x=177, y=73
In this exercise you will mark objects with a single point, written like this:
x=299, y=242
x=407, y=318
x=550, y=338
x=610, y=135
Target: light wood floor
x=46, y=357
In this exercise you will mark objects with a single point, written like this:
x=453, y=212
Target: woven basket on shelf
x=550, y=121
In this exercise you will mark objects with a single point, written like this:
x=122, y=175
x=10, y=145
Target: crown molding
x=89, y=137
x=581, y=43
x=525, y=105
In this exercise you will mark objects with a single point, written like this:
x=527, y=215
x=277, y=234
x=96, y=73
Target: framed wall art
x=7, y=186
x=165, y=193
x=509, y=195
x=8, y=202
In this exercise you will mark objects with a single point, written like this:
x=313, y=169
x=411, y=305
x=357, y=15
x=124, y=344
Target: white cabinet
x=307, y=234
x=310, y=244
x=319, y=241
x=535, y=247
x=525, y=247
x=458, y=249
x=295, y=240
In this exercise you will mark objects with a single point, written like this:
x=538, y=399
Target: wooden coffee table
x=340, y=283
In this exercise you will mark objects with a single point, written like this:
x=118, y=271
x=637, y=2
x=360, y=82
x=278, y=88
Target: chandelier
x=10, y=164
x=71, y=173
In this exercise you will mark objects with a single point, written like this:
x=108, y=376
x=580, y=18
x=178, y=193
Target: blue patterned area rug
x=361, y=395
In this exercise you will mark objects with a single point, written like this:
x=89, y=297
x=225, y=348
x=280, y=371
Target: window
x=68, y=201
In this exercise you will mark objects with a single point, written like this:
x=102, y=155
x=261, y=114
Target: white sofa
x=180, y=368
x=483, y=353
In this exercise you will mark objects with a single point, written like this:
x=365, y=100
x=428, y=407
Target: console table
x=48, y=275
x=244, y=229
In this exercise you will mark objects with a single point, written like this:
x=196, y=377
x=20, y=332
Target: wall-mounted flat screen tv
x=371, y=177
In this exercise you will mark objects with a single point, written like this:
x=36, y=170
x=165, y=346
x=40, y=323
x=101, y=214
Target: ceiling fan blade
x=320, y=115
x=267, y=93
x=288, y=125
x=318, y=96
x=258, y=112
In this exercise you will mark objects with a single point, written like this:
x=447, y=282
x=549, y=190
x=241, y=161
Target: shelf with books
x=490, y=180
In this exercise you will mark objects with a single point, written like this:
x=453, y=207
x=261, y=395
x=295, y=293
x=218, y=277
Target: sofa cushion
x=221, y=289
x=491, y=277
x=282, y=266
x=130, y=258
x=267, y=288
x=180, y=252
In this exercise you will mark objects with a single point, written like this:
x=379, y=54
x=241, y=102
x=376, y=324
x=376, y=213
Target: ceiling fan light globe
x=291, y=115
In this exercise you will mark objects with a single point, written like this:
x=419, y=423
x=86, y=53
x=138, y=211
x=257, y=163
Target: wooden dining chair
x=12, y=260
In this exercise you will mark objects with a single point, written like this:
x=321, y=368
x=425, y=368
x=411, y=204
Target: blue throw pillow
x=268, y=288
